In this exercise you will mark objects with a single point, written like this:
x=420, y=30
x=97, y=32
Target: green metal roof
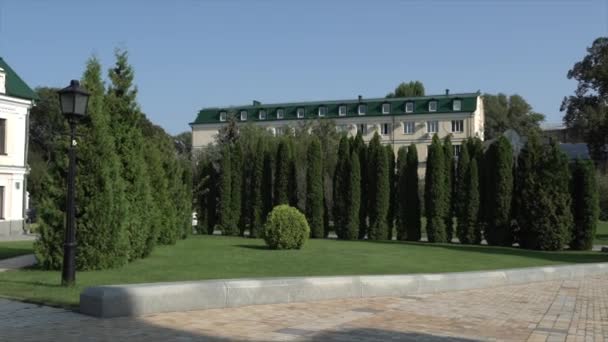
x=374, y=108
x=15, y=86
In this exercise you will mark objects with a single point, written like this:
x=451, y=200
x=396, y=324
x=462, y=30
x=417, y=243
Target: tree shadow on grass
x=258, y=247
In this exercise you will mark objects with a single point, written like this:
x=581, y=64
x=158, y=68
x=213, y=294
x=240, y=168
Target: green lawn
x=601, y=235
x=9, y=249
x=203, y=257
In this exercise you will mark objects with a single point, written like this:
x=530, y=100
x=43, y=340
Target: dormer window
x=243, y=115
x=280, y=113
x=262, y=114
x=223, y=116
x=342, y=110
x=322, y=111
x=457, y=105
x=362, y=109
x=386, y=108
x=409, y=107
x=300, y=112
x=432, y=106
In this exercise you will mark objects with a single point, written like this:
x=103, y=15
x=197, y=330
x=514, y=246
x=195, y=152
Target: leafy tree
x=504, y=112
x=413, y=88
x=281, y=182
x=228, y=134
x=351, y=231
x=183, y=144
x=468, y=228
x=390, y=218
x=585, y=208
x=256, y=222
x=314, y=189
x=499, y=173
x=225, y=220
x=586, y=111
x=341, y=182
x=448, y=153
x=412, y=212
x=379, y=201
x=435, y=194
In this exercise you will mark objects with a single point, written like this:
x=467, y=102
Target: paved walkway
x=17, y=262
x=549, y=311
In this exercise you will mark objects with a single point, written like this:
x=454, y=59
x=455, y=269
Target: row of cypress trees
x=132, y=188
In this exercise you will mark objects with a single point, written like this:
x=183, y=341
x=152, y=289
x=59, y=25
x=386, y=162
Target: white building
x=16, y=99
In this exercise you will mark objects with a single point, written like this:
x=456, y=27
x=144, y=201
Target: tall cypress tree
x=341, y=179
x=314, y=189
x=236, y=189
x=390, y=217
x=448, y=154
x=435, y=194
x=267, y=182
x=585, y=204
x=412, y=211
x=225, y=220
x=351, y=231
x=125, y=118
x=363, y=208
x=292, y=182
x=256, y=190
x=401, y=192
x=379, y=203
x=468, y=228
x=283, y=169
x=499, y=189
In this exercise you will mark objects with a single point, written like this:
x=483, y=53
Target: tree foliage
x=499, y=190
x=504, y=112
x=585, y=205
x=379, y=194
x=410, y=89
x=314, y=189
x=435, y=194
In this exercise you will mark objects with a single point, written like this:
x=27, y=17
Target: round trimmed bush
x=286, y=228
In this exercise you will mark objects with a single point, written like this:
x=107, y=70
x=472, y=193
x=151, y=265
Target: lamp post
x=74, y=101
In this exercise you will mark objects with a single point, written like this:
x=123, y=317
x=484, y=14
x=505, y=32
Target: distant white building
x=16, y=99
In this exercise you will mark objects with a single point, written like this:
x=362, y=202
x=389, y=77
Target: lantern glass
x=67, y=103
x=80, y=104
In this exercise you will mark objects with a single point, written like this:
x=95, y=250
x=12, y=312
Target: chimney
x=447, y=92
x=360, y=98
x=2, y=81
x=256, y=103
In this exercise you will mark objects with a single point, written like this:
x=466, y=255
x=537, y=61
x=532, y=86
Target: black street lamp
x=74, y=102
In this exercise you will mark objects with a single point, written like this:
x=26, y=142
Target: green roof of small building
x=374, y=108
x=15, y=86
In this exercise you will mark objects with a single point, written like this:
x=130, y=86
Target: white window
x=279, y=131
x=457, y=149
x=457, y=105
x=243, y=115
x=457, y=126
x=300, y=112
x=262, y=115
x=222, y=116
x=409, y=127
x=432, y=126
x=432, y=106
x=280, y=113
x=385, y=129
x=409, y=107
x=362, y=109
x=362, y=128
x=342, y=110
x=386, y=108
x=322, y=111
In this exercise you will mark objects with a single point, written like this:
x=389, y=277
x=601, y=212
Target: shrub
x=286, y=228
x=585, y=209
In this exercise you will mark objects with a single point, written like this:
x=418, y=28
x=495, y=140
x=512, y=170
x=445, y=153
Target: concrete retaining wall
x=142, y=299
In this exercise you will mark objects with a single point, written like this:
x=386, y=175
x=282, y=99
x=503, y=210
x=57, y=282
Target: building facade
x=399, y=121
x=16, y=99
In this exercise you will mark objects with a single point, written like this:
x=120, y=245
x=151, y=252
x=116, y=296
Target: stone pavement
x=573, y=310
x=17, y=262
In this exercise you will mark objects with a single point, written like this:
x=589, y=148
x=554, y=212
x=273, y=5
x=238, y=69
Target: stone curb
x=142, y=299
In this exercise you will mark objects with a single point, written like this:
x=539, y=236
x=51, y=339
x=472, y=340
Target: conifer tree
x=314, y=189
x=351, y=232
x=379, y=203
x=401, y=193
x=361, y=149
x=256, y=220
x=585, y=205
x=225, y=220
x=435, y=193
x=267, y=182
x=411, y=201
x=462, y=175
x=283, y=169
x=390, y=217
x=448, y=153
x=236, y=168
x=468, y=228
x=341, y=181
x=292, y=183
x=499, y=190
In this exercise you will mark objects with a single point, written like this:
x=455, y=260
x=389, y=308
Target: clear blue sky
x=193, y=54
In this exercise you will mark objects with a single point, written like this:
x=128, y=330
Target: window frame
x=459, y=105
x=242, y=114
x=432, y=102
x=280, y=113
x=433, y=123
x=300, y=110
x=223, y=116
x=262, y=114
x=411, y=124
x=455, y=123
x=388, y=111
x=363, y=131
x=321, y=114
x=340, y=113
x=409, y=103
x=362, y=106
x=388, y=127
x=457, y=150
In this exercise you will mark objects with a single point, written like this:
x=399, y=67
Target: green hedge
x=286, y=228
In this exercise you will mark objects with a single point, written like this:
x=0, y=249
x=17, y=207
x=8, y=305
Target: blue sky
x=193, y=54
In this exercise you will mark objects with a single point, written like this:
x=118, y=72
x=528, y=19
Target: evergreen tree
x=125, y=119
x=435, y=194
x=390, y=218
x=267, y=182
x=292, y=183
x=225, y=221
x=361, y=149
x=379, y=203
x=341, y=181
x=351, y=231
x=468, y=228
x=585, y=205
x=256, y=220
x=282, y=174
x=499, y=190
x=448, y=153
x=411, y=199
x=401, y=192
x=314, y=189
x=236, y=189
